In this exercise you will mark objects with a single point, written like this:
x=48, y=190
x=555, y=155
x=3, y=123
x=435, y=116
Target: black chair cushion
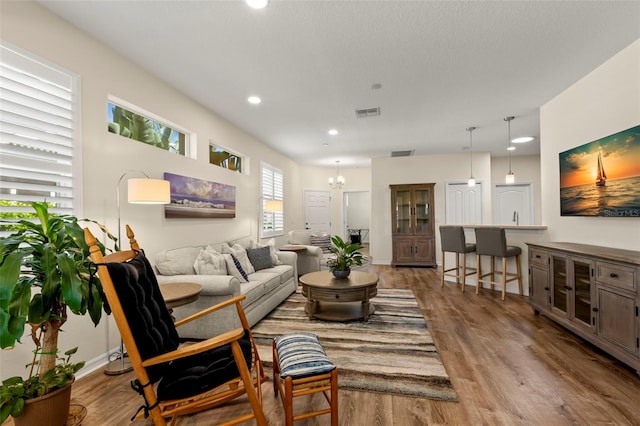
x=199, y=373
x=154, y=333
x=148, y=317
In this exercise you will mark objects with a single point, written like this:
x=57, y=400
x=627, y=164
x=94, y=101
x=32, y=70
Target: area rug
x=391, y=353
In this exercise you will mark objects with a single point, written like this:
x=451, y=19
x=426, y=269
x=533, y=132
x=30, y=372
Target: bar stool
x=493, y=242
x=452, y=240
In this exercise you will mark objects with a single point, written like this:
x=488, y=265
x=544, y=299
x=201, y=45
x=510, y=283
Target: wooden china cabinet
x=412, y=224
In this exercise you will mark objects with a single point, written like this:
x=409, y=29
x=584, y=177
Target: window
x=225, y=159
x=272, y=201
x=39, y=132
x=135, y=123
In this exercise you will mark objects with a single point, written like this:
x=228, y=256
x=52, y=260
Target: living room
x=569, y=119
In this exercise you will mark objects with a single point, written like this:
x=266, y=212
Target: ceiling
x=442, y=65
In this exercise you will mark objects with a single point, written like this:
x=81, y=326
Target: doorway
x=356, y=215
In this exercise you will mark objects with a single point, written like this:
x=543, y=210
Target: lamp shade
x=273, y=205
x=148, y=191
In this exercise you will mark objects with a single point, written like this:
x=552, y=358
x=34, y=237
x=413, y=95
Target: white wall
x=419, y=169
x=107, y=156
x=604, y=102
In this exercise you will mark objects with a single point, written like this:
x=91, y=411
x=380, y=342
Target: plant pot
x=51, y=409
x=341, y=274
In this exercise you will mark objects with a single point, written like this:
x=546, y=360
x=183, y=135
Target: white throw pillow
x=241, y=254
x=210, y=262
x=272, y=250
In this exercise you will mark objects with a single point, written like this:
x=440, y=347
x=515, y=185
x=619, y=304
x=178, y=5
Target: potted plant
x=346, y=255
x=49, y=256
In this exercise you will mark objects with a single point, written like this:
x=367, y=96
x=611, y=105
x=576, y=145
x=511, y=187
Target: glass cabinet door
x=559, y=283
x=422, y=211
x=403, y=212
x=582, y=291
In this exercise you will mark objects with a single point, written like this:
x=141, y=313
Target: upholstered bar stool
x=452, y=240
x=493, y=242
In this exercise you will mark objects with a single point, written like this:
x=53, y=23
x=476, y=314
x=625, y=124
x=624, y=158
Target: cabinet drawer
x=616, y=275
x=538, y=257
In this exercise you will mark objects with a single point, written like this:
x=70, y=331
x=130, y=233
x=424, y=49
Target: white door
x=463, y=203
x=513, y=204
x=317, y=211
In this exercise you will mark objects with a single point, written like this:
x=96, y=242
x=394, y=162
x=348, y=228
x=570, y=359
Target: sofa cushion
x=253, y=290
x=239, y=253
x=285, y=272
x=272, y=250
x=210, y=262
x=260, y=258
x=177, y=261
x=234, y=268
x=322, y=241
x=269, y=280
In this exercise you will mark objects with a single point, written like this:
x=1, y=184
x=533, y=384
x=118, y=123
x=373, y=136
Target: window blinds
x=272, y=189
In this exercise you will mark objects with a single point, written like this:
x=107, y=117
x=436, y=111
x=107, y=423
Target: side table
x=293, y=247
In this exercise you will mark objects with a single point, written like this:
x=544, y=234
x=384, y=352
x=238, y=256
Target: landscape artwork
x=602, y=178
x=197, y=198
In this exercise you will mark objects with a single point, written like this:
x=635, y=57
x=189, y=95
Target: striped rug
x=391, y=353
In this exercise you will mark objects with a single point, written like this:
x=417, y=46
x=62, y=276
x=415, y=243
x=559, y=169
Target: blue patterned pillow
x=234, y=268
x=301, y=355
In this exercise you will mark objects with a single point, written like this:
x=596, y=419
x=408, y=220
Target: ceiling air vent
x=401, y=153
x=367, y=112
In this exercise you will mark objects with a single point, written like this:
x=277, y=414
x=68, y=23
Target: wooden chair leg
x=457, y=269
x=334, y=398
x=504, y=277
x=479, y=268
x=493, y=272
x=443, y=268
x=288, y=401
x=464, y=271
x=256, y=404
x=519, y=272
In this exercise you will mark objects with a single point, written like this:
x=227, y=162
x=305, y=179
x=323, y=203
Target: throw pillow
x=241, y=254
x=272, y=251
x=210, y=262
x=260, y=258
x=235, y=268
x=322, y=241
x=177, y=261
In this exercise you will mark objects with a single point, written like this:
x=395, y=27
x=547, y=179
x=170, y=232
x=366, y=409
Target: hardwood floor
x=507, y=365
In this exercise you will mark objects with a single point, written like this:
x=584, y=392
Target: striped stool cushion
x=301, y=355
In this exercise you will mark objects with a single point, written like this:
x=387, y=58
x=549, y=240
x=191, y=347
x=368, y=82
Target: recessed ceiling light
x=325, y=144
x=376, y=86
x=254, y=100
x=523, y=139
x=511, y=148
x=333, y=132
x=257, y=4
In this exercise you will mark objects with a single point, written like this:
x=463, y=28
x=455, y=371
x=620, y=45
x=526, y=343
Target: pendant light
x=339, y=180
x=510, y=178
x=471, y=181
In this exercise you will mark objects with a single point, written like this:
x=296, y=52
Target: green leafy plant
x=15, y=391
x=48, y=255
x=346, y=255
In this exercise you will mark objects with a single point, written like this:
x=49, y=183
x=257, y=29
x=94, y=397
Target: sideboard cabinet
x=412, y=225
x=592, y=291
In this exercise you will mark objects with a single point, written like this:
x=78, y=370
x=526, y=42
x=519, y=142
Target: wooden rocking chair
x=176, y=381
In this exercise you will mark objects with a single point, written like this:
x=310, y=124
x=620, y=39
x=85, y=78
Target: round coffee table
x=339, y=299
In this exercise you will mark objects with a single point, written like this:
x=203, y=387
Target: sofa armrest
x=212, y=285
x=289, y=258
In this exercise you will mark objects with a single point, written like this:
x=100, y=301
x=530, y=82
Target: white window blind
x=37, y=123
x=272, y=190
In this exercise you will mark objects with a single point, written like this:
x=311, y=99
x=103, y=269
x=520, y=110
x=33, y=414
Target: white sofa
x=313, y=258
x=265, y=290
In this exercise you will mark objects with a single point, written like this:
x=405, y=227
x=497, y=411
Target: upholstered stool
x=493, y=242
x=301, y=367
x=452, y=240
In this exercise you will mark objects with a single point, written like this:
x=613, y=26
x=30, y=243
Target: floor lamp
x=139, y=191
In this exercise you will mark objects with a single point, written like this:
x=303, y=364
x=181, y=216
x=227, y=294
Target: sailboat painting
x=602, y=178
